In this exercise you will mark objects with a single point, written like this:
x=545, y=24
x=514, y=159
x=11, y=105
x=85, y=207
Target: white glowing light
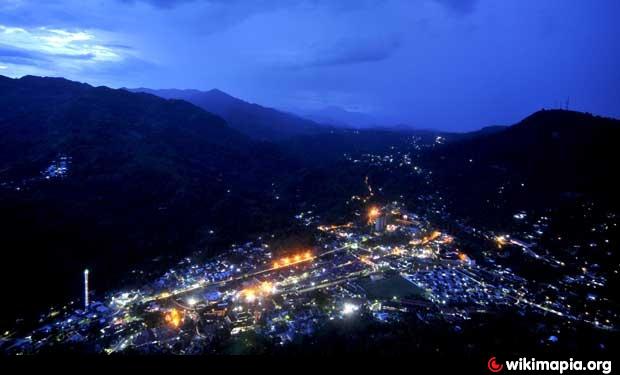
x=349, y=308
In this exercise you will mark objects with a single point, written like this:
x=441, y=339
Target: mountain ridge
x=254, y=120
x=547, y=157
x=133, y=176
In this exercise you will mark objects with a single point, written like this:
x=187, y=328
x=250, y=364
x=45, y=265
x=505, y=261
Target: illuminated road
x=202, y=285
x=351, y=276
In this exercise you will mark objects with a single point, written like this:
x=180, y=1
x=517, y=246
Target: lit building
x=380, y=223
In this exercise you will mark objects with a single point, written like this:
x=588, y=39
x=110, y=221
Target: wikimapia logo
x=532, y=364
x=494, y=366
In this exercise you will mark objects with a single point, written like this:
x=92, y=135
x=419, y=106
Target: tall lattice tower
x=86, y=288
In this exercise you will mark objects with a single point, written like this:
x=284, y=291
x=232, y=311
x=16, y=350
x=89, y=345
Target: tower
x=380, y=223
x=86, y=288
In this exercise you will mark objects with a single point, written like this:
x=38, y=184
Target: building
x=380, y=223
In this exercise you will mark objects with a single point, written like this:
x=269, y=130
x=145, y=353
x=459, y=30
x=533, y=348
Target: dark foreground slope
x=144, y=176
x=251, y=119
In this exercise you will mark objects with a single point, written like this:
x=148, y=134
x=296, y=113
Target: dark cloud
x=10, y=52
x=459, y=6
x=17, y=56
x=355, y=51
x=79, y=56
x=160, y=3
x=118, y=46
x=264, y=5
x=53, y=13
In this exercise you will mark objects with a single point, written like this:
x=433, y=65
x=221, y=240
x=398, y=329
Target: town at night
x=428, y=185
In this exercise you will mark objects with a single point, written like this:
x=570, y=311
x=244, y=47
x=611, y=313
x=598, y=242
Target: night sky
x=445, y=64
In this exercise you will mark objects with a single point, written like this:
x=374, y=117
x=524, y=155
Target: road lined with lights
x=278, y=265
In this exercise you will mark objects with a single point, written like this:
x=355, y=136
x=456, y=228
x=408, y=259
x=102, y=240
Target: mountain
x=549, y=156
x=54, y=116
x=256, y=121
x=102, y=178
x=487, y=130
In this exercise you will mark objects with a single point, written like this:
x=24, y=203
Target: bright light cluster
x=349, y=308
x=501, y=241
x=373, y=214
x=297, y=258
x=173, y=318
x=251, y=294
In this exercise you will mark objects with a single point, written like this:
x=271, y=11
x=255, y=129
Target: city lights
x=293, y=259
x=250, y=295
x=173, y=318
x=349, y=308
x=373, y=214
x=501, y=241
x=432, y=275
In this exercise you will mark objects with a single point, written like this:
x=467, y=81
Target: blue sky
x=448, y=64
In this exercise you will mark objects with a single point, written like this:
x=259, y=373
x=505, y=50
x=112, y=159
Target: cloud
x=265, y=4
x=12, y=52
x=160, y=3
x=18, y=56
x=355, y=51
x=57, y=51
x=344, y=51
x=57, y=43
x=257, y=5
x=119, y=46
x=459, y=6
